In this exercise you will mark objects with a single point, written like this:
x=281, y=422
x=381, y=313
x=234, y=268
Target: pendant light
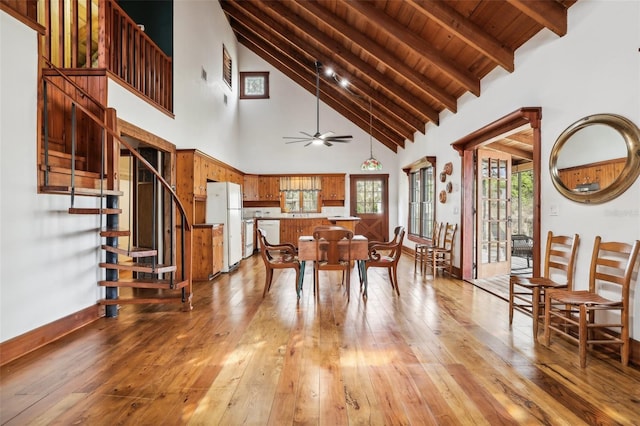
x=371, y=163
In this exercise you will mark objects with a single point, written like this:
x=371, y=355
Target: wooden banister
x=86, y=35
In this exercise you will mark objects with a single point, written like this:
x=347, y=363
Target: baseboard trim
x=37, y=338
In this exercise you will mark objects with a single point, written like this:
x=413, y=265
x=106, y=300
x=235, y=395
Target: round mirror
x=596, y=158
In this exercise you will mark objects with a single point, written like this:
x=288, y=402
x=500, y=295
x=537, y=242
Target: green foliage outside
x=522, y=203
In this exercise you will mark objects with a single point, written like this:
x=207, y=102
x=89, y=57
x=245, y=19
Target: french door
x=493, y=218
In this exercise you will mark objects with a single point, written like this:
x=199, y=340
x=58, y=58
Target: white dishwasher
x=271, y=228
x=248, y=238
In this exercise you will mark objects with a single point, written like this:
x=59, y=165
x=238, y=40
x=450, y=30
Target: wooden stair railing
x=143, y=261
x=100, y=35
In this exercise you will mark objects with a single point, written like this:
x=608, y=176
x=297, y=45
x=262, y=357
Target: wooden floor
x=442, y=353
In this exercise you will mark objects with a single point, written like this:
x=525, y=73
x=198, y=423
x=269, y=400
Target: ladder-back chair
x=599, y=315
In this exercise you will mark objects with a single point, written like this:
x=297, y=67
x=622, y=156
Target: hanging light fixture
x=371, y=163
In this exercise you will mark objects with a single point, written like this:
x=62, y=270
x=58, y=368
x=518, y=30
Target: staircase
x=68, y=166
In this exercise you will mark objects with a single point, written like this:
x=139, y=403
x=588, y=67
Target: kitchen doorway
x=369, y=200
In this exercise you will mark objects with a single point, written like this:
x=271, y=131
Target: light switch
x=553, y=210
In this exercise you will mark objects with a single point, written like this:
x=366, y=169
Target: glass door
x=493, y=206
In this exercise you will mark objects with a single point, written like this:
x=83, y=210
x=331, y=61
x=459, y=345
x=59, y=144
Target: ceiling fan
x=319, y=138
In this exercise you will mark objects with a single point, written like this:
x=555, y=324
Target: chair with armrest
x=384, y=255
x=599, y=315
x=333, y=253
x=277, y=256
x=526, y=294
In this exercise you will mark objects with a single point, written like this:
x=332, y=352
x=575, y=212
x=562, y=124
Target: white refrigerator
x=224, y=205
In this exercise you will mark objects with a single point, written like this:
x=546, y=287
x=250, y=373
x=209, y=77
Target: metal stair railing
x=157, y=178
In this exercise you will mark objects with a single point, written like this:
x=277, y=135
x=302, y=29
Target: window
x=301, y=201
x=369, y=197
x=422, y=188
x=254, y=85
x=226, y=66
x=301, y=194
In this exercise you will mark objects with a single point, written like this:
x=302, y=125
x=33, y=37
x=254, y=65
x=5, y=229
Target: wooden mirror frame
x=631, y=136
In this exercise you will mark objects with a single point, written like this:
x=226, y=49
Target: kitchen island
x=292, y=227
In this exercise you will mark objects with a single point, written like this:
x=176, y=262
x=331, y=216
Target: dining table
x=307, y=252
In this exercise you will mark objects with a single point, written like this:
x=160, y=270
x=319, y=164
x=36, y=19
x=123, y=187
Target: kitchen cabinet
x=292, y=229
x=207, y=251
x=218, y=249
x=269, y=188
x=333, y=188
x=193, y=170
x=234, y=177
x=251, y=188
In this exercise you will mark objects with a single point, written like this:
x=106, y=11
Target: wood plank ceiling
x=412, y=59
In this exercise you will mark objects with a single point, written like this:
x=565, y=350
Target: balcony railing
x=99, y=34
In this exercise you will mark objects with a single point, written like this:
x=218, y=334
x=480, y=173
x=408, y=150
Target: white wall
x=291, y=109
x=48, y=258
x=595, y=68
x=201, y=118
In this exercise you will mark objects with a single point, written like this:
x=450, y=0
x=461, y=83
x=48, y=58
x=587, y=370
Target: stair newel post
x=45, y=114
x=73, y=152
x=113, y=222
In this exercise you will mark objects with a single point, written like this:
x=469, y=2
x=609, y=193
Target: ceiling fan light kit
x=327, y=138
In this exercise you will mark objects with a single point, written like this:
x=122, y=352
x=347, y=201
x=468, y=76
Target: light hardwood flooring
x=442, y=353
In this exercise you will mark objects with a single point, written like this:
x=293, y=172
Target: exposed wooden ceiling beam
x=393, y=64
x=512, y=150
x=402, y=35
x=344, y=58
x=549, y=13
x=398, y=118
x=304, y=78
x=356, y=105
x=466, y=30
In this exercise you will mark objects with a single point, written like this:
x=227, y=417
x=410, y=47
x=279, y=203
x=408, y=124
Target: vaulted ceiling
x=412, y=59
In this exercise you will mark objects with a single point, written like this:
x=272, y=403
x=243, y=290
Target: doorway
x=369, y=200
x=486, y=236
x=147, y=208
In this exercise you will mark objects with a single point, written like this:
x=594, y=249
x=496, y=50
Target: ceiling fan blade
x=337, y=141
x=327, y=143
x=309, y=143
x=341, y=137
x=307, y=134
x=324, y=135
x=296, y=137
x=298, y=141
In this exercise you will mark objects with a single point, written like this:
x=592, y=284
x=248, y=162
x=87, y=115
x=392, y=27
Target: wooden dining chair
x=277, y=256
x=384, y=255
x=333, y=253
x=526, y=294
x=422, y=249
x=441, y=257
x=599, y=315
